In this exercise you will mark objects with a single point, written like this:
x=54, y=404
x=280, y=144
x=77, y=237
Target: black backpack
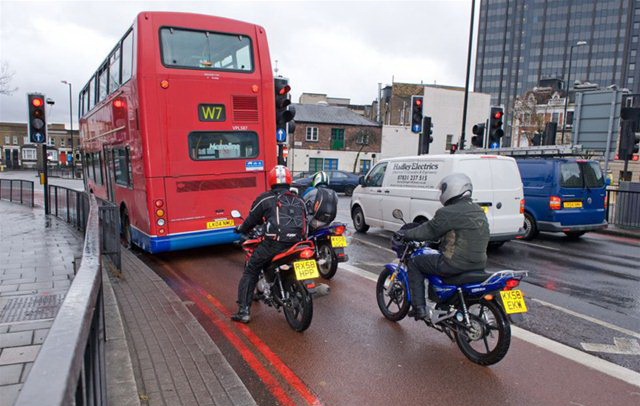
x=290, y=222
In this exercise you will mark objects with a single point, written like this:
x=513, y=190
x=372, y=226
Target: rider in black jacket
x=263, y=211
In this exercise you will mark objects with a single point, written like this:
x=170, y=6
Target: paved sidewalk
x=175, y=362
x=621, y=231
x=36, y=256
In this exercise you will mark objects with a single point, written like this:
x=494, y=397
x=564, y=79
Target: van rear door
x=479, y=170
x=582, y=192
x=507, y=194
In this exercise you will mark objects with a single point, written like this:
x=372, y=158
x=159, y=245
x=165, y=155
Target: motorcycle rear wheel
x=328, y=270
x=490, y=324
x=394, y=295
x=299, y=310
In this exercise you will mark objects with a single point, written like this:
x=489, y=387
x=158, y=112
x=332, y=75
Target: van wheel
x=530, y=227
x=358, y=220
x=574, y=235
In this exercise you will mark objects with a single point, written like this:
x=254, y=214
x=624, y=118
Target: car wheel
x=358, y=220
x=530, y=227
x=348, y=190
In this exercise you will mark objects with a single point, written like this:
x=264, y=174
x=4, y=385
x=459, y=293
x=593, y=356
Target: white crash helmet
x=320, y=178
x=453, y=186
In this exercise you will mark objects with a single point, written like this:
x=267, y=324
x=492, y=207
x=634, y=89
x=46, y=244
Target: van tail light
x=555, y=203
x=339, y=230
x=306, y=254
x=606, y=200
x=521, y=206
x=511, y=284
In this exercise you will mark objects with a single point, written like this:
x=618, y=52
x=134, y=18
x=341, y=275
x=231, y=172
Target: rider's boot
x=420, y=312
x=242, y=315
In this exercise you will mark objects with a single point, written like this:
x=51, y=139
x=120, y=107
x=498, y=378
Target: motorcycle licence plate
x=513, y=301
x=306, y=269
x=338, y=241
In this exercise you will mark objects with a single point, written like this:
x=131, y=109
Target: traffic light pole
x=466, y=84
x=45, y=179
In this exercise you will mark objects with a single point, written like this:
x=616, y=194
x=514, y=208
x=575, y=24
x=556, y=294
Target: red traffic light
x=284, y=90
x=37, y=102
x=418, y=102
x=498, y=115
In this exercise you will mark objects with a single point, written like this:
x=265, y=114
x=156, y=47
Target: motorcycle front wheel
x=392, y=296
x=488, y=338
x=298, y=310
x=330, y=266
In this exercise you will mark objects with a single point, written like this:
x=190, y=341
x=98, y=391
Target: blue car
x=340, y=181
x=562, y=195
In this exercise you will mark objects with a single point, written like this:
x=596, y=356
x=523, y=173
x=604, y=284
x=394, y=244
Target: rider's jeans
x=420, y=267
x=261, y=257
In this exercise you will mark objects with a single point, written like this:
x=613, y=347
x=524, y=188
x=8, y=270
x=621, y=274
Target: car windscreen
x=578, y=175
x=205, y=50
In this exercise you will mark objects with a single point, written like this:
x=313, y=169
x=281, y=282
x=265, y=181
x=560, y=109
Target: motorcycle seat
x=466, y=277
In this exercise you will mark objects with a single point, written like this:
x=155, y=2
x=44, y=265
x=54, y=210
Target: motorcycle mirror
x=236, y=214
x=397, y=214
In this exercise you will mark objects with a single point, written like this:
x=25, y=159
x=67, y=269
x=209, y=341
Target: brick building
x=333, y=137
x=17, y=153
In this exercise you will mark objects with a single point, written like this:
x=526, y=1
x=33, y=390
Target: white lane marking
x=625, y=346
x=589, y=318
x=372, y=244
x=536, y=245
x=588, y=360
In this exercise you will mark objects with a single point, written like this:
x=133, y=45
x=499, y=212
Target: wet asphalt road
x=351, y=355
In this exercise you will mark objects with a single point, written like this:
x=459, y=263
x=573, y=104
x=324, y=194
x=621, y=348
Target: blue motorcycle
x=471, y=308
x=330, y=243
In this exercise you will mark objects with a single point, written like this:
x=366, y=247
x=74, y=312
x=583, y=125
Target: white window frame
x=312, y=136
x=7, y=140
x=15, y=140
x=28, y=154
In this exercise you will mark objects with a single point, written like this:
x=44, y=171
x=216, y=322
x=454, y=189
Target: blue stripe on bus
x=155, y=245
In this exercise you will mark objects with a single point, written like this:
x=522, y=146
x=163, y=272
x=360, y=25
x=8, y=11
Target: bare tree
x=362, y=138
x=6, y=75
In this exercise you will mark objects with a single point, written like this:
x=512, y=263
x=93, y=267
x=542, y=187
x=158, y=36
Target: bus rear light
x=521, y=206
x=161, y=231
x=159, y=212
x=118, y=103
x=160, y=222
x=555, y=203
x=159, y=203
x=164, y=84
x=254, y=88
x=306, y=254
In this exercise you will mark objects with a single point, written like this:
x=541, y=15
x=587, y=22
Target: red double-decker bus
x=178, y=128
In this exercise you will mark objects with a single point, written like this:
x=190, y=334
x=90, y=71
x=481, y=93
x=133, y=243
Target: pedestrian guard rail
x=70, y=367
x=17, y=191
x=623, y=208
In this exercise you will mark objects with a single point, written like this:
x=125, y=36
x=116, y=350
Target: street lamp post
x=73, y=169
x=566, y=96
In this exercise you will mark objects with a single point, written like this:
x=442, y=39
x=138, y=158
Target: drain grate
x=34, y=307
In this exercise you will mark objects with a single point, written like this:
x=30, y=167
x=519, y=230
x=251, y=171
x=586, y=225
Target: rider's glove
x=401, y=234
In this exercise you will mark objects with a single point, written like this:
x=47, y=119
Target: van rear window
x=577, y=175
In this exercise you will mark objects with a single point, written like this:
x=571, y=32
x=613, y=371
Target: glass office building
x=523, y=41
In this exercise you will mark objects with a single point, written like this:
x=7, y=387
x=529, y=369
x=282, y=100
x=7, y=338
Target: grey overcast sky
x=340, y=48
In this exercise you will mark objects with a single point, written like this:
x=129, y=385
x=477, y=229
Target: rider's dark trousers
x=420, y=267
x=262, y=255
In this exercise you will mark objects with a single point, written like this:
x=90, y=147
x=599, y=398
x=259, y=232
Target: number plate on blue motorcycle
x=306, y=269
x=338, y=241
x=513, y=301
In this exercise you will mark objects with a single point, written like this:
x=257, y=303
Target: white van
x=409, y=184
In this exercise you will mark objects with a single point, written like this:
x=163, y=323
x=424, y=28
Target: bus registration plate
x=306, y=269
x=513, y=301
x=220, y=224
x=338, y=241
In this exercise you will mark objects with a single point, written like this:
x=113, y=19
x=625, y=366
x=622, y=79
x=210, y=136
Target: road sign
x=494, y=145
x=281, y=135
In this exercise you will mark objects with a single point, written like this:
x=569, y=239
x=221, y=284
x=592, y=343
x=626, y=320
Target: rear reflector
x=521, y=206
x=511, y=283
x=555, y=203
x=306, y=254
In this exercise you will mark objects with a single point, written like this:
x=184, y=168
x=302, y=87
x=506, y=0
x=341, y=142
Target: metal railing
x=70, y=367
x=623, y=208
x=17, y=191
x=69, y=205
x=110, y=232
x=61, y=172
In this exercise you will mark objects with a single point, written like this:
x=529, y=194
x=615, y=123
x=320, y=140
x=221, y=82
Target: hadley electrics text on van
x=410, y=184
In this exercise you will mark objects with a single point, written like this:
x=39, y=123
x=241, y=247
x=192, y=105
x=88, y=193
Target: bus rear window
x=206, y=50
x=206, y=146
